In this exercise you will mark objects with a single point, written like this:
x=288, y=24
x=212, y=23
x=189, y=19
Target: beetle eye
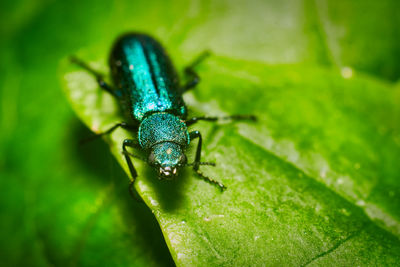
x=182, y=160
x=152, y=158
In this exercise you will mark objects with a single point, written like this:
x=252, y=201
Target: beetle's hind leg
x=197, y=163
x=192, y=74
x=96, y=74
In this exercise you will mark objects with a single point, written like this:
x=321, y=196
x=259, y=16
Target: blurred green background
x=65, y=204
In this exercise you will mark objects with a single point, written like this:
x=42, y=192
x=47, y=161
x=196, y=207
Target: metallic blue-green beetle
x=148, y=89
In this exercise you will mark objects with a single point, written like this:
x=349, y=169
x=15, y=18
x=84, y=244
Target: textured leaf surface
x=305, y=183
x=319, y=171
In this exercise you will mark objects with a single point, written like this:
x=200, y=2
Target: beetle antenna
x=201, y=163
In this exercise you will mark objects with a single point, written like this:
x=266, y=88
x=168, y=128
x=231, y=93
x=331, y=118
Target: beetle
x=148, y=89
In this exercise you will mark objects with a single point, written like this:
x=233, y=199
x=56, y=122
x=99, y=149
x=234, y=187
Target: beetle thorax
x=162, y=127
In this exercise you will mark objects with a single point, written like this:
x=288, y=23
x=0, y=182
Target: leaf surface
x=308, y=183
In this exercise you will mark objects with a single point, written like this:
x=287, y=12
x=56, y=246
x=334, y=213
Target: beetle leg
x=190, y=72
x=197, y=163
x=123, y=125
x=129, y=143
x=132, y=170
x=97, y=75
x=232, y=117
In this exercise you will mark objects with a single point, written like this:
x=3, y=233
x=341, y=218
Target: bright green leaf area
x=304, y=184
x=314, y=181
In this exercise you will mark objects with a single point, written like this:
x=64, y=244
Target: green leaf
x=63, y=204
x=311, y=182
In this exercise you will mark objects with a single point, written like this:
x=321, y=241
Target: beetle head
x=167, y=158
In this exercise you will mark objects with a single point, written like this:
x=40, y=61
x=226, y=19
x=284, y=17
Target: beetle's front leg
x=132, y=170
x=197, y=163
